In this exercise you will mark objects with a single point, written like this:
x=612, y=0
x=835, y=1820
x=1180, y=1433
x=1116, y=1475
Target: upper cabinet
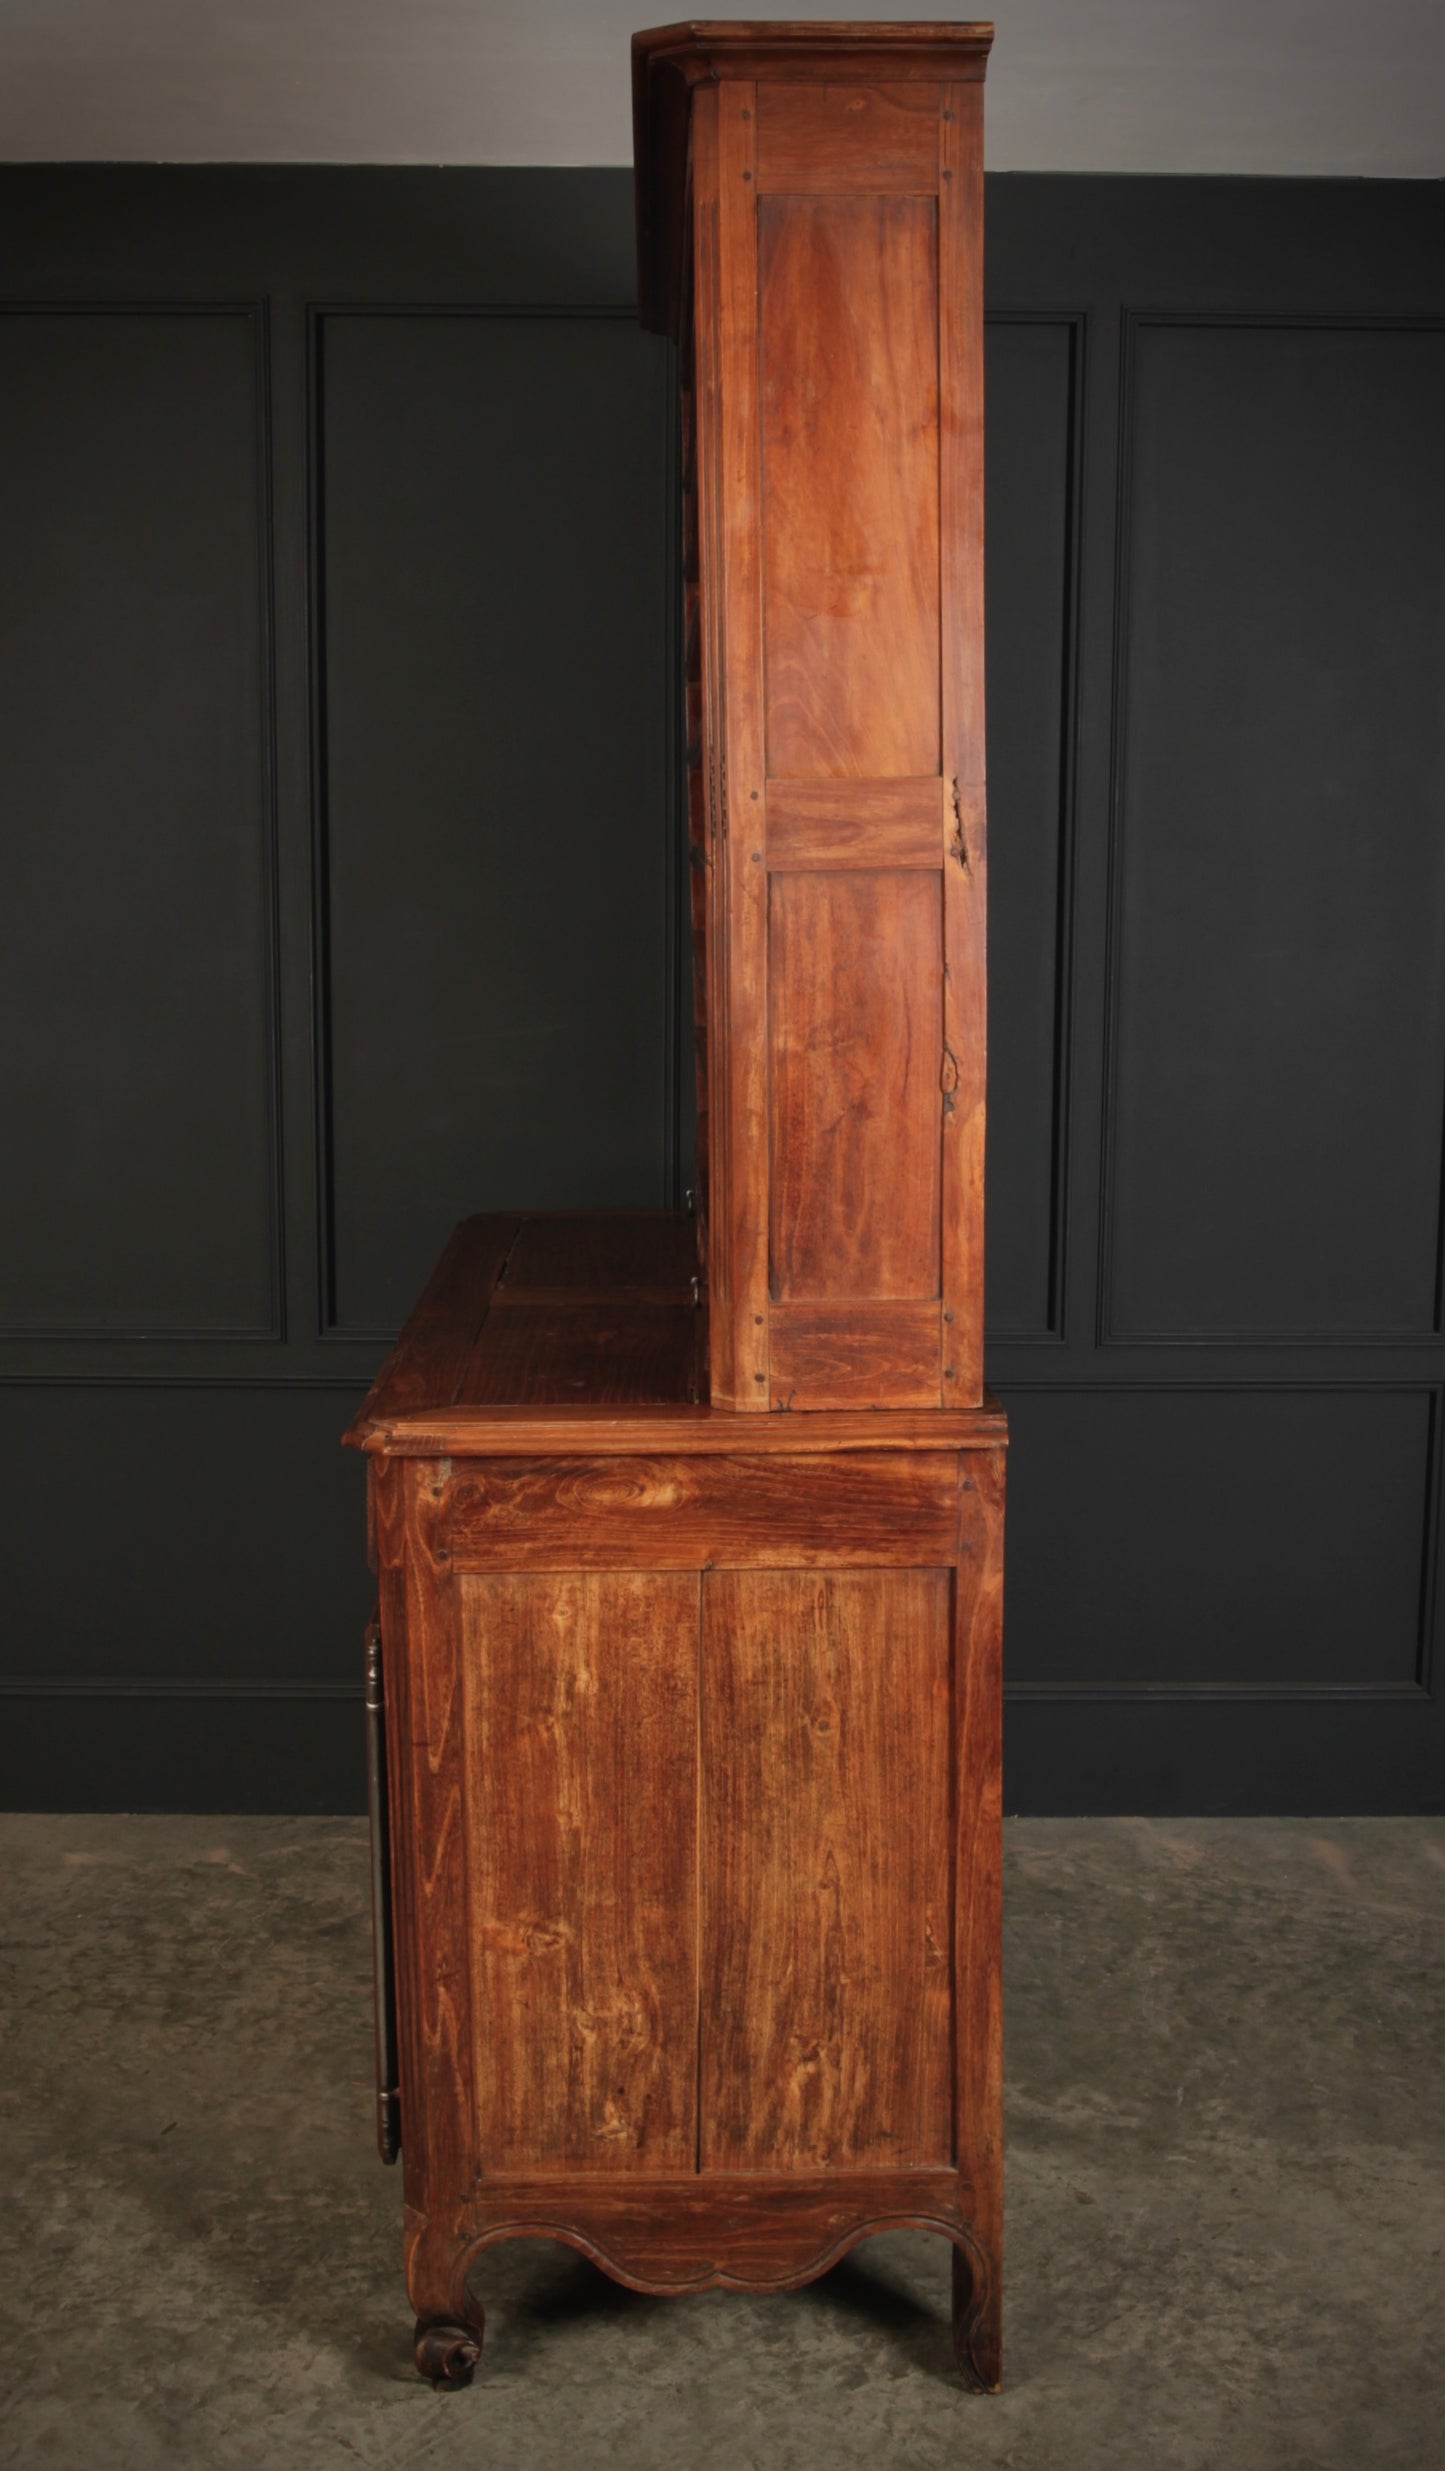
x=810, y=208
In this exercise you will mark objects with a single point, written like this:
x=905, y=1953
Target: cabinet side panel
x=696, y=739
x=978, y=1896
x=426, y=1760
x=581, y=1722
x=740, y=1237
x=825, y=1974
x=855, y=1021
x=849, y=366
x=965, y=1007
x=705, y=798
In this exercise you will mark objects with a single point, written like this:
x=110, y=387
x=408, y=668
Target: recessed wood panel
x=136, y=1117
x=855, y=1025
x=825, y=1978
x=849, y=375
x=857, y=1355
x=857, y=139
x=895, y=1507
x=1281, y=986
x=581, y=1747
x=855, y=824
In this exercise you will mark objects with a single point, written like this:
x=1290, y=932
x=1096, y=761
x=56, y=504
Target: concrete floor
x=1225, y=2060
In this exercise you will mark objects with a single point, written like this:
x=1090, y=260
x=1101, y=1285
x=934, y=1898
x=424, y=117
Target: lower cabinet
x=695, y=1870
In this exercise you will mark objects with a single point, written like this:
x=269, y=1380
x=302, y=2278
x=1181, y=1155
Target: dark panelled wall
x=337, y=672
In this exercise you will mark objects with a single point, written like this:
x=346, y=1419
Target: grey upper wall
x=1299, y=87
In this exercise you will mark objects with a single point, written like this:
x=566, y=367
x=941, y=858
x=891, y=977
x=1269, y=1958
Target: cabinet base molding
x=758, y=2231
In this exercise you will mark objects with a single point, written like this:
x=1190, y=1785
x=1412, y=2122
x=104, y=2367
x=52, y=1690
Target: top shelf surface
x=540, y=1333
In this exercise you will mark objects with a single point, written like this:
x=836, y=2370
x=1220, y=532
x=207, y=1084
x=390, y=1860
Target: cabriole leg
x=977, y=2319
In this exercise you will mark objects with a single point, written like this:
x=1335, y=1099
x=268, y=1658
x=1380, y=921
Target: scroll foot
x=447, y=2354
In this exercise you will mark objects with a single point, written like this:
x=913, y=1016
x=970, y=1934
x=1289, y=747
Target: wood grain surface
x=965, y=873
x=882, y=1508
x=856, y=1040
x=862, y=140
x=572, y=1307
x=835, y=349
x=814, y=824
x=692, y=1431
x=741, y=854
x=825, y=1860
x=649, y=1252
x=699, y=738
x=425, y=1366
x=849, y=359
x=730, y=1342
x=729, y=2230
x=425, y=1778
x=580, y=1858
x=831, y=1360
x=848, y=1354
x=978, y=1898
x=674, y=66
x=638, y=1349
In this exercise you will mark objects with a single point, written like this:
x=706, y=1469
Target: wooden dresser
x=685, y=1687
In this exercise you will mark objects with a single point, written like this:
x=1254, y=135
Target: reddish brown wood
x=847, y=823
x=844, y=1345
x=961, y=471
x=857, y=139
x=669, y=62
x=425, y=1767
x=699, y=735
x=543, y=1432
x=703, y=554
x=731, y=2230
x=639, y=1349
x=855, y=1027
x=852, y=1355
x=580, y=1307
x=884, y=1508
x=581, y=1717
x=425, y=1366
x=693, y=1725
x=776, y=1640
x=600, y=1252
x=834, y=555
x=825, y=1783
x=740, y=1371
x=978, y=1903
x=849, y=347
